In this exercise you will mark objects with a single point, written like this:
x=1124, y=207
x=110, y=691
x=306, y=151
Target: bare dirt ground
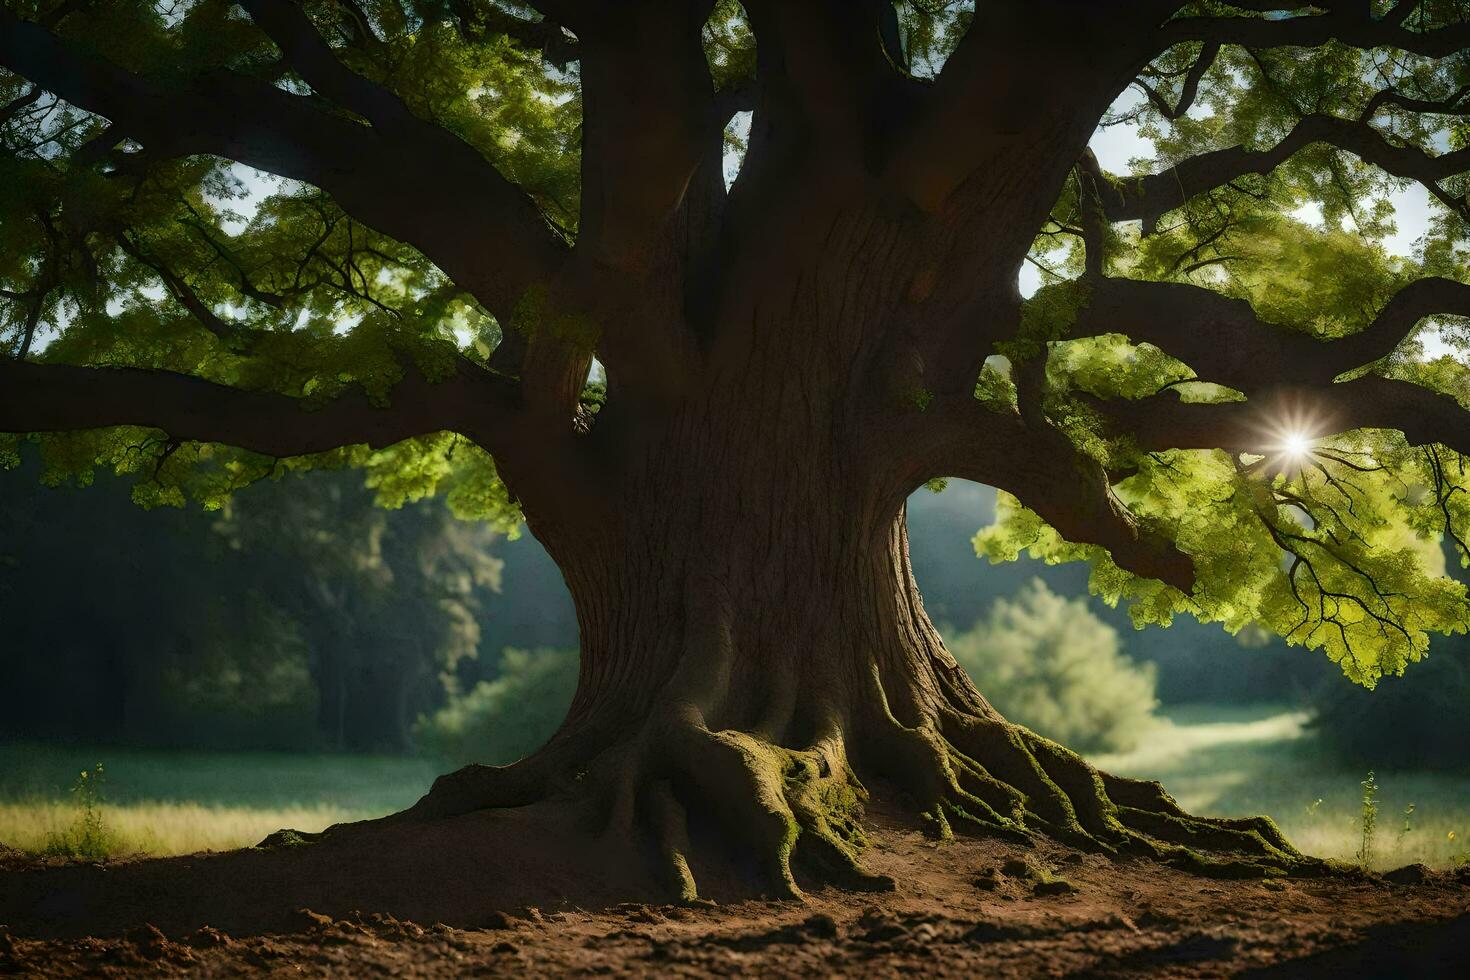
x=477, y=895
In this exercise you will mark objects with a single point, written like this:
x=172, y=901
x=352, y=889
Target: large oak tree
x=791, y=231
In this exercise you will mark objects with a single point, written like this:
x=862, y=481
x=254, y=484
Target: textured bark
x=755, y=653
x=754, y=647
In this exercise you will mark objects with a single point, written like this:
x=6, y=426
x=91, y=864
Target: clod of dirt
x=150, y=940
x=505, y=947
x=11, y=960
x=879, y=927
x=152, y=944
x=1116, y=921
x=388, y=926
x=1151, y=919
x=208, y=937
x=1054, y=886
x=1017, y=868
x=303, y=919
x=533, y=914
x=344, y=931
x=987, y=880
x=990, y=932
x=821, y=925
x=499, y=920
x=1409, y=874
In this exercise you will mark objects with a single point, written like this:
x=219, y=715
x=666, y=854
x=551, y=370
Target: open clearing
x=1220, y=761
x=497, y=895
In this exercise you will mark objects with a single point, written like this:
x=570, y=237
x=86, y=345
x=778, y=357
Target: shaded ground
x=515, y=893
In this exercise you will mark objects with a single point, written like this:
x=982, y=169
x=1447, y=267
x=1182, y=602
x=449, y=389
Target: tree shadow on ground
x=1392, y=950
x=453, y=871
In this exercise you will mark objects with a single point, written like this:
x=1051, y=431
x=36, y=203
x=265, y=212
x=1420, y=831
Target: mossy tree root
x=790, y=807
x=1066, y=798
x=802, y=808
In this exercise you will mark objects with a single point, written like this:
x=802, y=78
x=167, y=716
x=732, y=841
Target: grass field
x=1228, y=762
x=181, y=802
x=1246, y=761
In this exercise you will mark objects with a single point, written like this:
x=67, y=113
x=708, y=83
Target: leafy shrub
x=1050, y=664
x=508, y=718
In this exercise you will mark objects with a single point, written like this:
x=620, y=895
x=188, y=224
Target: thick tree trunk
x=754, y=649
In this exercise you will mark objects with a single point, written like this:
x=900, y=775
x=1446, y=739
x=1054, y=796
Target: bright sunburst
x=1296, y=445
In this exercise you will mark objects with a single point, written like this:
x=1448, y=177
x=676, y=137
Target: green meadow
x=1222, y=761
x=1246, y=761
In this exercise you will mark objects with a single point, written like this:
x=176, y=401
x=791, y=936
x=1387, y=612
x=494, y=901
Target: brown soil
x=514, y=892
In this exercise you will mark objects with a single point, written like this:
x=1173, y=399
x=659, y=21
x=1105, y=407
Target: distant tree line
x=300, y=616
x=303, y=616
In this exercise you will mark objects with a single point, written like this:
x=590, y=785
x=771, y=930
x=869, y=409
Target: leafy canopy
x=113, y=256
x=1337, y=547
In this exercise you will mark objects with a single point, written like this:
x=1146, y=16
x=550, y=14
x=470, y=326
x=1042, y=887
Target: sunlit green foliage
x=1050, y=664
x=302, y=299
x=111, y=257
x=1338, y=550
x=508, y=718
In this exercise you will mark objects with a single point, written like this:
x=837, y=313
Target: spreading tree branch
x=308, y=53
x=1348, y=23
x=990, y=86
x=412, y=180
x=234, y=335
x=64, y=398
x=1224, y=340
x=1149, y=197
x=1037, y=463
x=1190, y=88
x=1425, y=417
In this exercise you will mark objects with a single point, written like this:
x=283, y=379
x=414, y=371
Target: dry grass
x=162, y=828
x=180, y=802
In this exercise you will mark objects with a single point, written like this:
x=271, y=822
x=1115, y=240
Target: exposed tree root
x=802, y=807
x=785, y=806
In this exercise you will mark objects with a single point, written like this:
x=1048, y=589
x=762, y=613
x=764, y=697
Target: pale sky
x=1117, y=146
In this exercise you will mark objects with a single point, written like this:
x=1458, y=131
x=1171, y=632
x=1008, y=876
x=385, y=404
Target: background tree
x=1053, y=666
x=387, y=610
x=1213, y=405
x=503, y=720
x=299, y=616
